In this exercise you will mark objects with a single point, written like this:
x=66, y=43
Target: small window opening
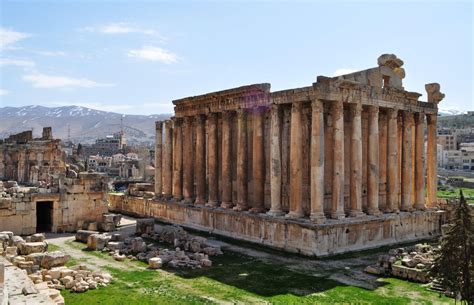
x=386, y=81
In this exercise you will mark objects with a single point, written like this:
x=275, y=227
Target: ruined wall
x=333, y=237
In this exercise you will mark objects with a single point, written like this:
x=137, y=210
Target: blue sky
x=135, y=57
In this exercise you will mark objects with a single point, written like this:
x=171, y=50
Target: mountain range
x=83, y=125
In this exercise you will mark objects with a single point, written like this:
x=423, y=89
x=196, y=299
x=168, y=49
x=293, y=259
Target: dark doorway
x=44, y=216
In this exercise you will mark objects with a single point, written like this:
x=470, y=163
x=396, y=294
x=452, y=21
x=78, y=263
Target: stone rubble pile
x=108, y=223
x=411, y=263
x=46, y=269
x=189, y=251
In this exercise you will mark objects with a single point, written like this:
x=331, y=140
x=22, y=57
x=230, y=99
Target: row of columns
x=179, y=165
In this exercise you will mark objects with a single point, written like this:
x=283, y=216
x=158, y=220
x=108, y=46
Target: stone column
x=296, y=161
x=420, y=161
x=317, y=162
x=200, y=160
x=337, y=210
x=226, y=160
x=178, y=160
x=373, y=163
x=242, y=177
x=431, y=170
x=407, y=162
x=392, y=161
x=167, y=164
x=188, y=160
x=158, y=158
x=356, y=161
x=212, y=160
x=258, y=161
x=275, y=162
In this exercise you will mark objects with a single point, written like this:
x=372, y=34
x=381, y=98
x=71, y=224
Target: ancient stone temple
x=336, y=166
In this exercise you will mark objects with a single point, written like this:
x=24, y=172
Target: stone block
x=97, y=241
x=154, y=263
x=82, y=235
x=36, y=247
x=115, y=245
x=36, y=258
x=54, y=259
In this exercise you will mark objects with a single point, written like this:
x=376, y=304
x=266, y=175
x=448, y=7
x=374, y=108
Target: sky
x=135, y=57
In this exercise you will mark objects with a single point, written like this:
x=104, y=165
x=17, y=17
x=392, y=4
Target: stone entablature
x=346, y=146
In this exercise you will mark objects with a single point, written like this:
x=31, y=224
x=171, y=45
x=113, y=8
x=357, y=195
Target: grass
x=236, y=278
x=454, y=194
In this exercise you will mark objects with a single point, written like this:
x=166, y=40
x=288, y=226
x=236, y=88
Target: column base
x=420, y=207
x=356, y=213
x=374, y=212
x=199, y=201
x=240, y=207
x=338, y=215
x=177, y=199
x=257, y=210
x=227, y=205
x=167, y=196
x=294, y=215
x=188, y=200
x=275, y=213
x=317, y=217
x=212, y=204
x=406, y=209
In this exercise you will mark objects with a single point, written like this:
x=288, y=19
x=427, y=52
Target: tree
x=454, y=265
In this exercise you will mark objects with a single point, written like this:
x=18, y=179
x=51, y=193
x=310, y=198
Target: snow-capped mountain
x=448, y=111
x=84, y=124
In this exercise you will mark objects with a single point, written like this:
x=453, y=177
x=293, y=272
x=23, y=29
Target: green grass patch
x=237, y=278
x=454, y=194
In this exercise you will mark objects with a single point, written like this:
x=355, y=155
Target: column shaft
x=178, y=160
x=212, y=162
x=158, y=158
x=275, y=162
x=356, y=161
x=392, y=161
x=296, y=161
x=317, y=162
x=226, y=160
x=337, y=210
x=431, y=174
x=188, y=160
x=407, y=162
x=258, y=161
x=420, y=161
x=200, y=160
x=242, y=176
x=373, y=163
x=168, y=160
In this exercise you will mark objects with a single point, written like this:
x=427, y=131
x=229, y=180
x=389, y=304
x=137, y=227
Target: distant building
x=107, y=146
x=447, y=139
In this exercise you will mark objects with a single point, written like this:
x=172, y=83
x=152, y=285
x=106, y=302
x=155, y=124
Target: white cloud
x=119, y=28
x=9, y=37
x=51, y=53
x=3, y=92
x=154, y=54
x=47, y=81
x=16, y=62
x=343, y=71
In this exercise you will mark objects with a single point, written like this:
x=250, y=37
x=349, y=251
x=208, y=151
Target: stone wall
x=296, y=236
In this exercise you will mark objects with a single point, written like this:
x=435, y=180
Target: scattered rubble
x=189, y=251
x=47, y=270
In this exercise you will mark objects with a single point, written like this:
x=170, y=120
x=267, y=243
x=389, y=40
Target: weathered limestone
x=431, y=162
x=296, y=162
x=188, y=160
x=275, y=163
x=168, y=161
x=227, y=160
x=258, y=163
x=177, y=160
x=212, y=161
x=317, y=162
x=337, y=209
x=356, y=161
x=392, y=163
x=407, y=162
x=373, y=163
x=200, y=160
x=242, y=176
x=158, y=158
x=419, y=161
